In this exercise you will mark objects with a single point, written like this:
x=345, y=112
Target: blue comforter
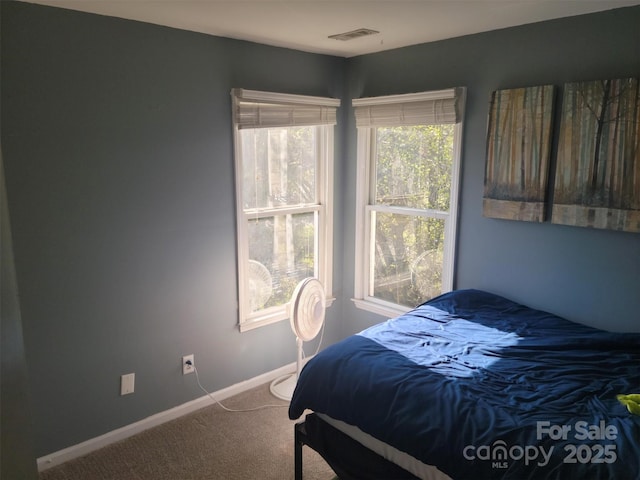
x=483, y=387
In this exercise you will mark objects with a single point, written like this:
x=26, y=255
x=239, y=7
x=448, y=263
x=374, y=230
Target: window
x=408, y=170
x=284, y=174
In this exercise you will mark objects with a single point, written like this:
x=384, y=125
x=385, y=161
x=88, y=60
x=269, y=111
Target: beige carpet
x=207, y=444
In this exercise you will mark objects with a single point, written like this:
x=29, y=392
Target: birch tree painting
x=518, y=149
x=598, y=166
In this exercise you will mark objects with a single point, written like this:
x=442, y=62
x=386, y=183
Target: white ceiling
x=306, y=24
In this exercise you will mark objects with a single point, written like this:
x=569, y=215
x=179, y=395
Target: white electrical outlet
x=188, y=368
x=127, y=383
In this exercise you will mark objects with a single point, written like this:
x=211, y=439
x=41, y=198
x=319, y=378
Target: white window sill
x=386, y=310
x=277, y=316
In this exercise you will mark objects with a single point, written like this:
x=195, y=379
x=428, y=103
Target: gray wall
x=118, y=155
x=119, y=165
x=17, y=458
x=587, y=275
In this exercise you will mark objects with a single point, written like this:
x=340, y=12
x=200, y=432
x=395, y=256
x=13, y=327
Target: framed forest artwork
x=598, y=165
x=517, y=155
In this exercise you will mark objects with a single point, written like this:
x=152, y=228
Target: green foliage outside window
x=413, y=166
x=280, y=170
x=412, y=170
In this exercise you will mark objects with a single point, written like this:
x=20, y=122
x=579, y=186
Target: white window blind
x=255, y=109
x=428, y=108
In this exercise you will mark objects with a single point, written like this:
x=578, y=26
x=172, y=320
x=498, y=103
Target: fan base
x=283, y=387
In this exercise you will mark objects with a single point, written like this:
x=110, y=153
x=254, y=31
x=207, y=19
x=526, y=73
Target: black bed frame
x=349, y=459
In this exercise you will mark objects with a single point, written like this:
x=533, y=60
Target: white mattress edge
x=400, y=458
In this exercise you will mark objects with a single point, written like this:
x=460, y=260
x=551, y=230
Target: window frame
x=323, y=208
x=365, y=196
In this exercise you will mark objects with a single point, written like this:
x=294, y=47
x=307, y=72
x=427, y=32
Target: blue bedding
x=483, y=387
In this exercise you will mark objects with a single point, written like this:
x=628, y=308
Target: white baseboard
x=88, y=446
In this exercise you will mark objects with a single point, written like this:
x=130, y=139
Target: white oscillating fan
x=306, y=312
x=260, y=285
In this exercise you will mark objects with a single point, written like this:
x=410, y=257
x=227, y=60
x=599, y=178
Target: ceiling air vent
x=361, y=32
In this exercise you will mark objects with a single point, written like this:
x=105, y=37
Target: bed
x=471, y=385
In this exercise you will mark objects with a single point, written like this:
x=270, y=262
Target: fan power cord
x=232, y=409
